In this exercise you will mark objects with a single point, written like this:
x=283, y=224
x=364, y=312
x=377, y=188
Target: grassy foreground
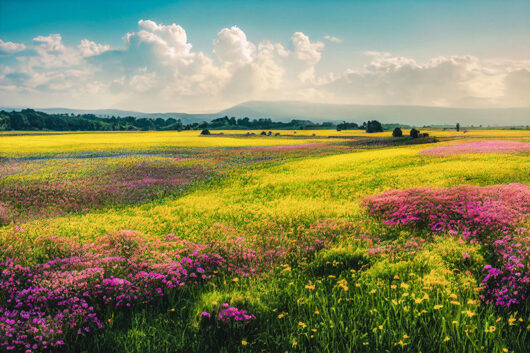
x=316, y=270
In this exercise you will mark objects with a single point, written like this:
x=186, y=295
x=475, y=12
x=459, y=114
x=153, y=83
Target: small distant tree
x=374, y=126
x=263, y=133
x=205, y=132
x=397, y=132
x=269, y=133
x=457, y=126
x=414, y=133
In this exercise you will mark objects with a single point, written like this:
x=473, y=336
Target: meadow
x=173, y=242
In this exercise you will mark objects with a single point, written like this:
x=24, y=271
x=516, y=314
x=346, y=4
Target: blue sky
x=487, y=30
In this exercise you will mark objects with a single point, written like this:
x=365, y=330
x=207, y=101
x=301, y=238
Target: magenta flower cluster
x=228, y=314
x=40, y=304
x=496, y=146
x=508, y=281
x=492, y=216
x=472, y=211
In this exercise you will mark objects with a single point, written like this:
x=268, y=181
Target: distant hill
x=288, y=110
x=411, y=115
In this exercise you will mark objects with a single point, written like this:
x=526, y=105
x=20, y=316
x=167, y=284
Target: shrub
x=205, y=132
x=374, y=126
x=397, y=132
x=414, y=133
x=263, y=133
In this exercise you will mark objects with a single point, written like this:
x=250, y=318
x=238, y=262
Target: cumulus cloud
x=333, y=39
x=167, y=42
x=232, y=45
x=10, y=47
x=89, y=48
x=157, y=69
x=306, y=50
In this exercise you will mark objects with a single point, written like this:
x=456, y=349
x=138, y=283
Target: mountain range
x=288, y=110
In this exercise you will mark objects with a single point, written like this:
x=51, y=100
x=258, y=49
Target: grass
x=345, y=298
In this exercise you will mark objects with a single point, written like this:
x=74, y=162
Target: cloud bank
x=156, y=69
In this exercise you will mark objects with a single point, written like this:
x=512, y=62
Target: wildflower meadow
x=175, y=242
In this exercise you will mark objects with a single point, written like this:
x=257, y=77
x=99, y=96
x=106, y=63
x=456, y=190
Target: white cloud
x=232, y=46
x=157, y=69
x=50, y=43
x=333, y=39
x=167, y=42
x=306, y=50
x=10, y=47
x=143, y=81
x=89, y=48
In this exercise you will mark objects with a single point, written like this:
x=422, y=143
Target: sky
x=204, y=56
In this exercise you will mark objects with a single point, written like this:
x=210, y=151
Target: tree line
x=32, y=120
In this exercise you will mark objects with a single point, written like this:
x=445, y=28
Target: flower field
x=150, y=242
x=496, y=146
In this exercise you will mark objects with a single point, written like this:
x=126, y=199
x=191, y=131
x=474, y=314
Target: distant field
x=28, y=144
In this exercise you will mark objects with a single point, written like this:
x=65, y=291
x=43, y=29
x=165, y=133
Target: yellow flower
x=511, y=321
x=172, y=309
x=291, y=283
x=404, y=285
x=317, y=312
x=302, y=324
x=438, y=307
x=446, y=338
x=365, y=343
x=468, y=313
x=309, y=286
x=287, y=269
x=505, y=349
x=282, y=315
x=400, y=343
x=214, y=303
x=393, y=286
x=235, y=279
x=394, y=302
x=331, y=276
x=406, y=294
x=454, y=302
x=373, y=291
x=405, y=336
x=453, y=296
x=396, y=277
x=314, y=329
x=357, y=285
x=244, y=343
x=294, y=342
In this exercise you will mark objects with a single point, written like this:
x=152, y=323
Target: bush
x=414, y=133
x=263, y=133
x=374, y=126
x=397, y=132
x=205, y=132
